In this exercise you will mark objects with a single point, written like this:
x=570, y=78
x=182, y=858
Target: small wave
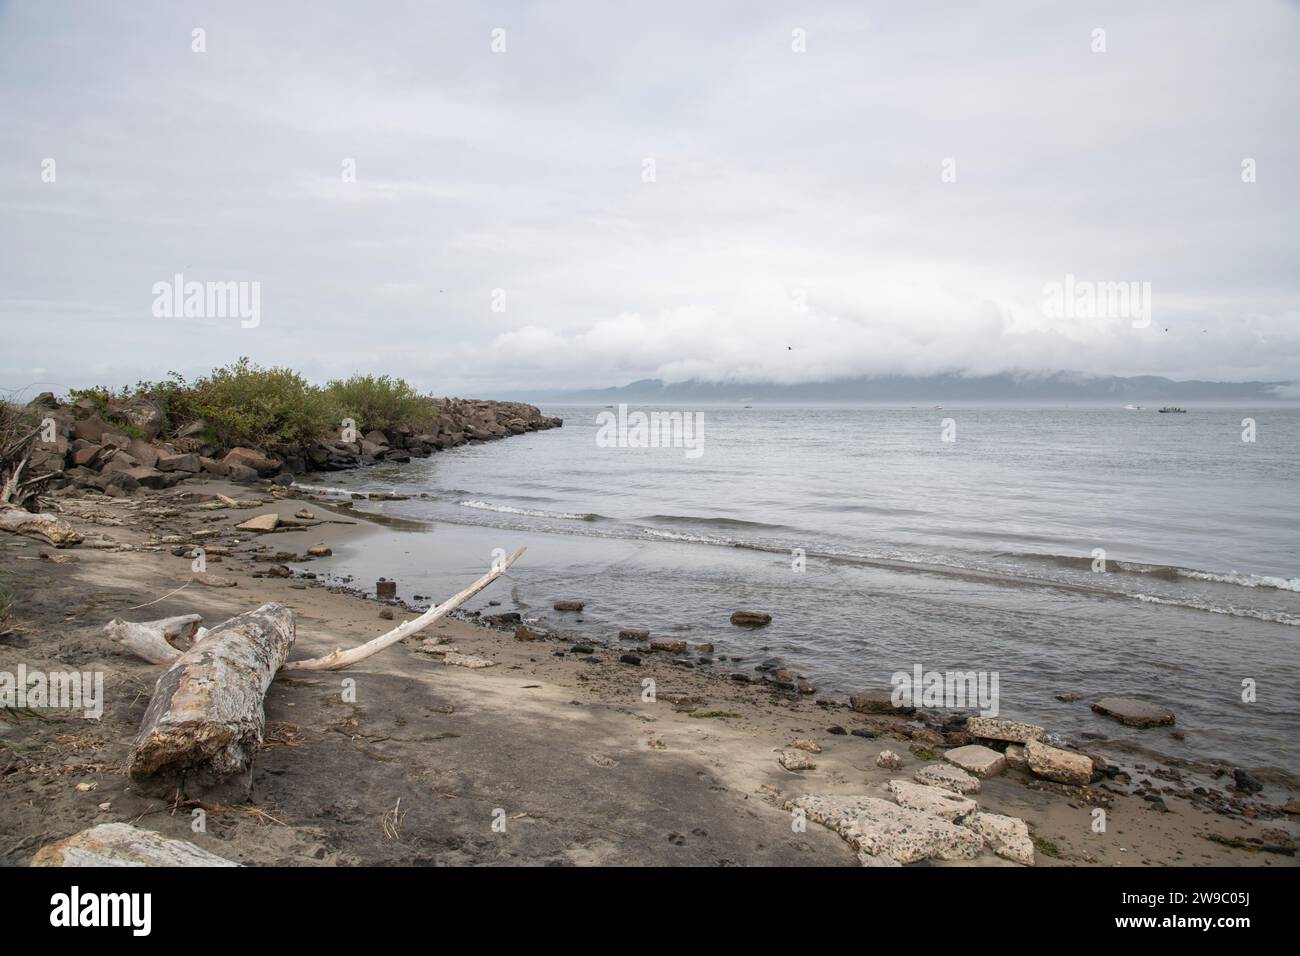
x=691, y=538
x=713, y=522
x=1167, y=572
x=1272, y=617
x=530, y=512
x=1244, y=580
x=327, y=489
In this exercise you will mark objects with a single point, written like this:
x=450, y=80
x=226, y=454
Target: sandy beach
x=553, y=755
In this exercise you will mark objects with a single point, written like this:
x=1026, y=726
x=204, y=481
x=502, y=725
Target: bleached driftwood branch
x=345, y=658
x=155, y=641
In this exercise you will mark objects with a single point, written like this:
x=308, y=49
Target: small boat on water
x=1169, y=409
x=1132, y=408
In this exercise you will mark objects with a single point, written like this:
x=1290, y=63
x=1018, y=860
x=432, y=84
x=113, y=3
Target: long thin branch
x=344, y=658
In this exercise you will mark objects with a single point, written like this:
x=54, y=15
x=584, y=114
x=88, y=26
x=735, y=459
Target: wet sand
x=548, y=757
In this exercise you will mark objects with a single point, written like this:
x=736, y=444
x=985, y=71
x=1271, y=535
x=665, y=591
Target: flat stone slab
x=977, y=759
x=933, y=800
x=991, y=728
x=1053, y=763
x=885, y=834
x=1008, y=837
x=1133, y=712
x=949, y=778
x=266, y=522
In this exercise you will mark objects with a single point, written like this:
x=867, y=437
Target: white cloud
x=775, y=172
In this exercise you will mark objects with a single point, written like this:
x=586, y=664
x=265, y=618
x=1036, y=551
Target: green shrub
x=245, y=404
x=383, y=402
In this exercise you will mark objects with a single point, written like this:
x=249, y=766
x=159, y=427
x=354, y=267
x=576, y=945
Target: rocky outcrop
x=117, y=447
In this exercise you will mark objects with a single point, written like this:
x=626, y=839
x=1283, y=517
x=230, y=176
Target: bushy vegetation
x=383, y=402
x=246, y=404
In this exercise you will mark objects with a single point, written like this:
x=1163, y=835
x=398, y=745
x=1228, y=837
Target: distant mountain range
x=1006, y=387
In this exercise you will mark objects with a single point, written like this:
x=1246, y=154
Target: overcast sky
x=781, y=179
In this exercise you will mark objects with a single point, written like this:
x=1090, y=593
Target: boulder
x=210, y=466
x=1134, y=713
x=1053, y=763
x=796, y=760
x=1008, y=837
x=148, y=477
x=184, y=463
x=942, y=803
x=885, y=834
x=1015, y=754
x=667, y=644
x=88, y=455
x=991, y=728
x=240, y=474
x=948, y=778
x=143, y=452
x=888, y=759
x=633, y=634
x=145, y=415
x=977, y=759
x=751, y=619
x=90, y=429
x=568, y=605
x=252, y=458
x=877, y=702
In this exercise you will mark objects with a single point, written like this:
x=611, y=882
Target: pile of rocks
x=933, y=816
x=89, y=449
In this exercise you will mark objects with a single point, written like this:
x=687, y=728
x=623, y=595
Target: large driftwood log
x=47, y=527
x=155, y=641
x=120, y=844
x=344, y=658
x=205, y=720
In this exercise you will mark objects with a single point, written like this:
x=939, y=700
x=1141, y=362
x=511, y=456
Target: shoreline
x=559, y=739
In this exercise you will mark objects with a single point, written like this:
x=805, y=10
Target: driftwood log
x=205, y=720
x=48, y=528
x=120, y=844
x=155, y=641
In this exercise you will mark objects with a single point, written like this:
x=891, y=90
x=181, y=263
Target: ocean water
x=972, y=554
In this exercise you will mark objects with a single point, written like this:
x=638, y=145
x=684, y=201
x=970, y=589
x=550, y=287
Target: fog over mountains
x=1006, y=387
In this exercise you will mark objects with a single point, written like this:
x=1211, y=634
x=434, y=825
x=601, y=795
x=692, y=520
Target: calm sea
x=978, y=553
